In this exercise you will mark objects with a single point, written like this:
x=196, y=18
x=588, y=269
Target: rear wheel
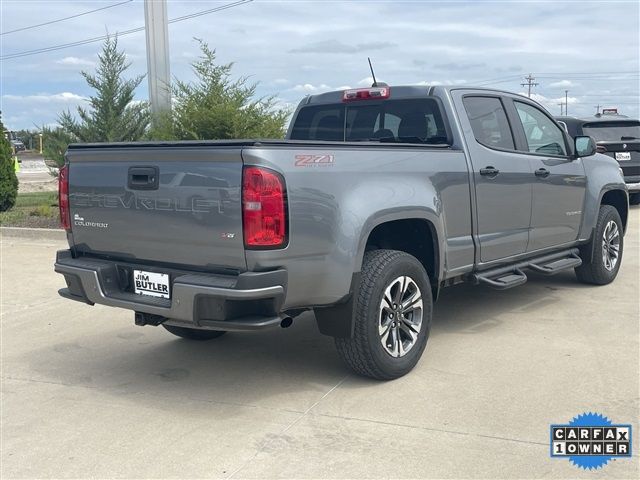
x=392, y=316
x=194, y=333
x=634, y=198
x=605, y=249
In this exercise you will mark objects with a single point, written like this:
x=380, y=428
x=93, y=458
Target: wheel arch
x=415, y=236
x=619, y=200
x=386, y=231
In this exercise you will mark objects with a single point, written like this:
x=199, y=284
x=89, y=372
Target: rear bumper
x=248, y=301
x=633, y=187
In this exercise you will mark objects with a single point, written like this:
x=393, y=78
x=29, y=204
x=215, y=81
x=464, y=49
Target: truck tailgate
x=159, y=204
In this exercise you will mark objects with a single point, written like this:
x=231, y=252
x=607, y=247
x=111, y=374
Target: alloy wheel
x=400, y=316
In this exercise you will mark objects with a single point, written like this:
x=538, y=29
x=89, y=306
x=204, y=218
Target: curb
x=33, y=233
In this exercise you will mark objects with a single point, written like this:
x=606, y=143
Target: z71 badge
x=314, y=160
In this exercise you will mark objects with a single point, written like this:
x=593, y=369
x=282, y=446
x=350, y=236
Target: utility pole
x=157, y=33
x=597, y=109
x=561, y=104
x=530, y=83
x=566, y=102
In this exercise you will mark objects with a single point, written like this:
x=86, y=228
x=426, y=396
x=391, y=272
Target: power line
x=65, y=18
x=119, y=34
x=550, y=75
x=606, y=95
x=517, y=75
x=591, y=77
x=584, y=73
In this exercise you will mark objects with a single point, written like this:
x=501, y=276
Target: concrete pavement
x=85, y=393
x=34, y=175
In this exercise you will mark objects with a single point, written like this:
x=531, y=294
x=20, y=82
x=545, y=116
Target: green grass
x=37, y=209
x=36, y=199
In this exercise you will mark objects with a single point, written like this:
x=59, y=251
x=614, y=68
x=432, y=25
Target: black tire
x=194, y=333
x=364, y=352
x=593, y=269
x=634, y=198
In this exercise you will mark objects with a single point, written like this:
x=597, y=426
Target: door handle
x=489, y=171
x=143, y=178
x=542, y=172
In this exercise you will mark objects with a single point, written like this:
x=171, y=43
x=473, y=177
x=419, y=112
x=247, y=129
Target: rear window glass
x=398, y=121
x=489, y=122
x=612, y=131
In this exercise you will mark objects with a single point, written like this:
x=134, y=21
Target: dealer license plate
x=623, y=155
x=151, y=283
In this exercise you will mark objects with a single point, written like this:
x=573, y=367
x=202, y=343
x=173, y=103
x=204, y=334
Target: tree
x=54, y=144
x=114, y=115
x=216, y=107
x=8, y=179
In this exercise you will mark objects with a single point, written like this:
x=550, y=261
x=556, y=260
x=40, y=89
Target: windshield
x=612, y=131
x=399, y=121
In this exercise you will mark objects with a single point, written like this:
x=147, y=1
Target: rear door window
x=489, y=122
x=396, y=121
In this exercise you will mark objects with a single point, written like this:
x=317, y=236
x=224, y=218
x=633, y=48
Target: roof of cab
x=401, y=91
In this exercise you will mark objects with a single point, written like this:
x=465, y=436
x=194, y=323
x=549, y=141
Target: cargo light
x=264, y=210
x=374, y=93
x=63, y=197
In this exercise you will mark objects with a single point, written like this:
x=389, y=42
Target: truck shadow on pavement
x=258, y=368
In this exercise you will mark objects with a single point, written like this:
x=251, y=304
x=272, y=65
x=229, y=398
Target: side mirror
x=585, y=146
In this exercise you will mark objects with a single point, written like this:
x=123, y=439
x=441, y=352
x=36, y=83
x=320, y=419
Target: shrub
x=8, y=179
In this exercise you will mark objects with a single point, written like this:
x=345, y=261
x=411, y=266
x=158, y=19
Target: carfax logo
x=590, y=440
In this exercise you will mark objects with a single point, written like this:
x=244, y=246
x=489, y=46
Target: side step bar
x=557, y=265
x=511, y=276
x=502, y=281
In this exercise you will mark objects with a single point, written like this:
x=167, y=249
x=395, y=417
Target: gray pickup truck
x=377, y=199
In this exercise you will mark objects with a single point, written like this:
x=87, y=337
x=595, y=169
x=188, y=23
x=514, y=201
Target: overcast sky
x=294, y=48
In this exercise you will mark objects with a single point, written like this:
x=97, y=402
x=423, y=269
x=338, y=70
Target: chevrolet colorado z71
x=376, y=199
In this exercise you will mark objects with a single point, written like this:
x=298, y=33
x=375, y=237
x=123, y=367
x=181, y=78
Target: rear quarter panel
x=335, y=204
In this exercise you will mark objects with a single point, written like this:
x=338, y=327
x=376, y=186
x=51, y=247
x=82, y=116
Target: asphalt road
x=85, y=393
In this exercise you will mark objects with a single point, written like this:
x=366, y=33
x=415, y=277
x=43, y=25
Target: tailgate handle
x=143, y=178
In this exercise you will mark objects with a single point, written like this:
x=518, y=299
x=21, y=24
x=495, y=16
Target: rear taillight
x=264, y=209
x=373, y=93
x=63, y=197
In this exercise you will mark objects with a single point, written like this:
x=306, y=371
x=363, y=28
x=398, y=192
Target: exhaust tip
x=286, y=322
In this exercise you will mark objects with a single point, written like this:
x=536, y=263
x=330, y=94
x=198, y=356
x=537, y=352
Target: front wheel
x=604, y=253
x=392, y=316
